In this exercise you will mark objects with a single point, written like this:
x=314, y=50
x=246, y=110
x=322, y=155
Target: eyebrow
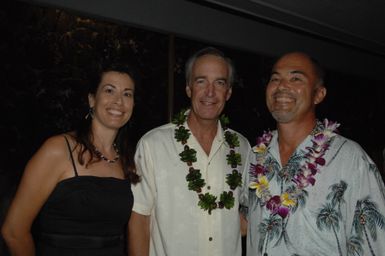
x=199, y=77
x=291, y=72
x=125, y=89
x=274, y=73
x=205, y=77
x=298, y=72
x=104, y=85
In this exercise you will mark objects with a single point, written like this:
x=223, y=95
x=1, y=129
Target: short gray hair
x=209, y=51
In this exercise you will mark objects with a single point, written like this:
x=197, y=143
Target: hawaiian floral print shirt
x=341, y=214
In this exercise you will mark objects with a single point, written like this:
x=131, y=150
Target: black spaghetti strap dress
x=84, y=216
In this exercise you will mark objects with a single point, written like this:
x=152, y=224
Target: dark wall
x=205, y=22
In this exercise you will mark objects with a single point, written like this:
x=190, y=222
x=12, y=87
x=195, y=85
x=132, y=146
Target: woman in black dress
x=77, y=185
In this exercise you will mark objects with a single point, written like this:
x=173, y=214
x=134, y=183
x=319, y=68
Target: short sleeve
x=145, y=190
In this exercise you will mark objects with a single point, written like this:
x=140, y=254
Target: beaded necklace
x=104, y=158
x=208, y=202
x=288, y=200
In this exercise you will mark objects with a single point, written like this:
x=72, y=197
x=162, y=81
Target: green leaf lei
x=207, y=201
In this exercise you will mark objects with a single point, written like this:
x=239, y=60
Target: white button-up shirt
x=178, y=225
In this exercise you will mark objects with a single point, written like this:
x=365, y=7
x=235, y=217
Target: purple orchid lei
x=313, y=159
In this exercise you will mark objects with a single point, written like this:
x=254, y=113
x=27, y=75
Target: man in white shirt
x=187, y=202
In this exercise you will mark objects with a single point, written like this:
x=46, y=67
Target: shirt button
x=210, y=238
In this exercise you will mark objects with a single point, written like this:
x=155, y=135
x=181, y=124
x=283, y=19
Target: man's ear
x=188, y=90
x=229, y=92
x=320, y=94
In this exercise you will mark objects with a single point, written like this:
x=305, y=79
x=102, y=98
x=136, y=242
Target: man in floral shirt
x=311, y=191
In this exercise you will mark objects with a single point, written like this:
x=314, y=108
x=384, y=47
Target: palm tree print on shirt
x=328, y=218
x=337, y=194
x=373, y=168
x=354, y=246
x=269, y=229
x=329, y=215
x=367, y=218
x=274, y=227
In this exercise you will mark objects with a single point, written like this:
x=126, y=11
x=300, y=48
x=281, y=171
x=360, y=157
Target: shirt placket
x=211, y=176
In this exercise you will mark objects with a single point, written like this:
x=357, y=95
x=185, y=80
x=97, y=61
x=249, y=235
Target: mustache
x=283, y=93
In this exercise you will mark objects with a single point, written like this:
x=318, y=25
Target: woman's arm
x=40, y=176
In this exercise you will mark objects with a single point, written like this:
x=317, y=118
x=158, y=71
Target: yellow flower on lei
x=260, y=148
x=260, y=186
x=287, y=201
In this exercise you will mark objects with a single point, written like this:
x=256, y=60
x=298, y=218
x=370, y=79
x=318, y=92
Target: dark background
x=45, y=53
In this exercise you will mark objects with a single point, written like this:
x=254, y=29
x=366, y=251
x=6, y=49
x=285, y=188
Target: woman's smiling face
x=113, y=102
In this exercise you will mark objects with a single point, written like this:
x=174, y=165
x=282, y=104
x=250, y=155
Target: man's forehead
x=294, y=63
x=289, y=70
x=209, y=63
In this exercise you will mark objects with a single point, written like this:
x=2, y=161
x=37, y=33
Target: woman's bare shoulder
x=57, y=145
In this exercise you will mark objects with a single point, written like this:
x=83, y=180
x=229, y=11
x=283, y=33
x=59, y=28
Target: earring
x=90, y=113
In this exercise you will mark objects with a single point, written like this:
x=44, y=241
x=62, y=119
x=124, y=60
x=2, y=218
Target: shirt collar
x=219, y=137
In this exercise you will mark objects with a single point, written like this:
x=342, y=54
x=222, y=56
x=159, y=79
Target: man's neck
x=290, y=135
x=203, y=130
